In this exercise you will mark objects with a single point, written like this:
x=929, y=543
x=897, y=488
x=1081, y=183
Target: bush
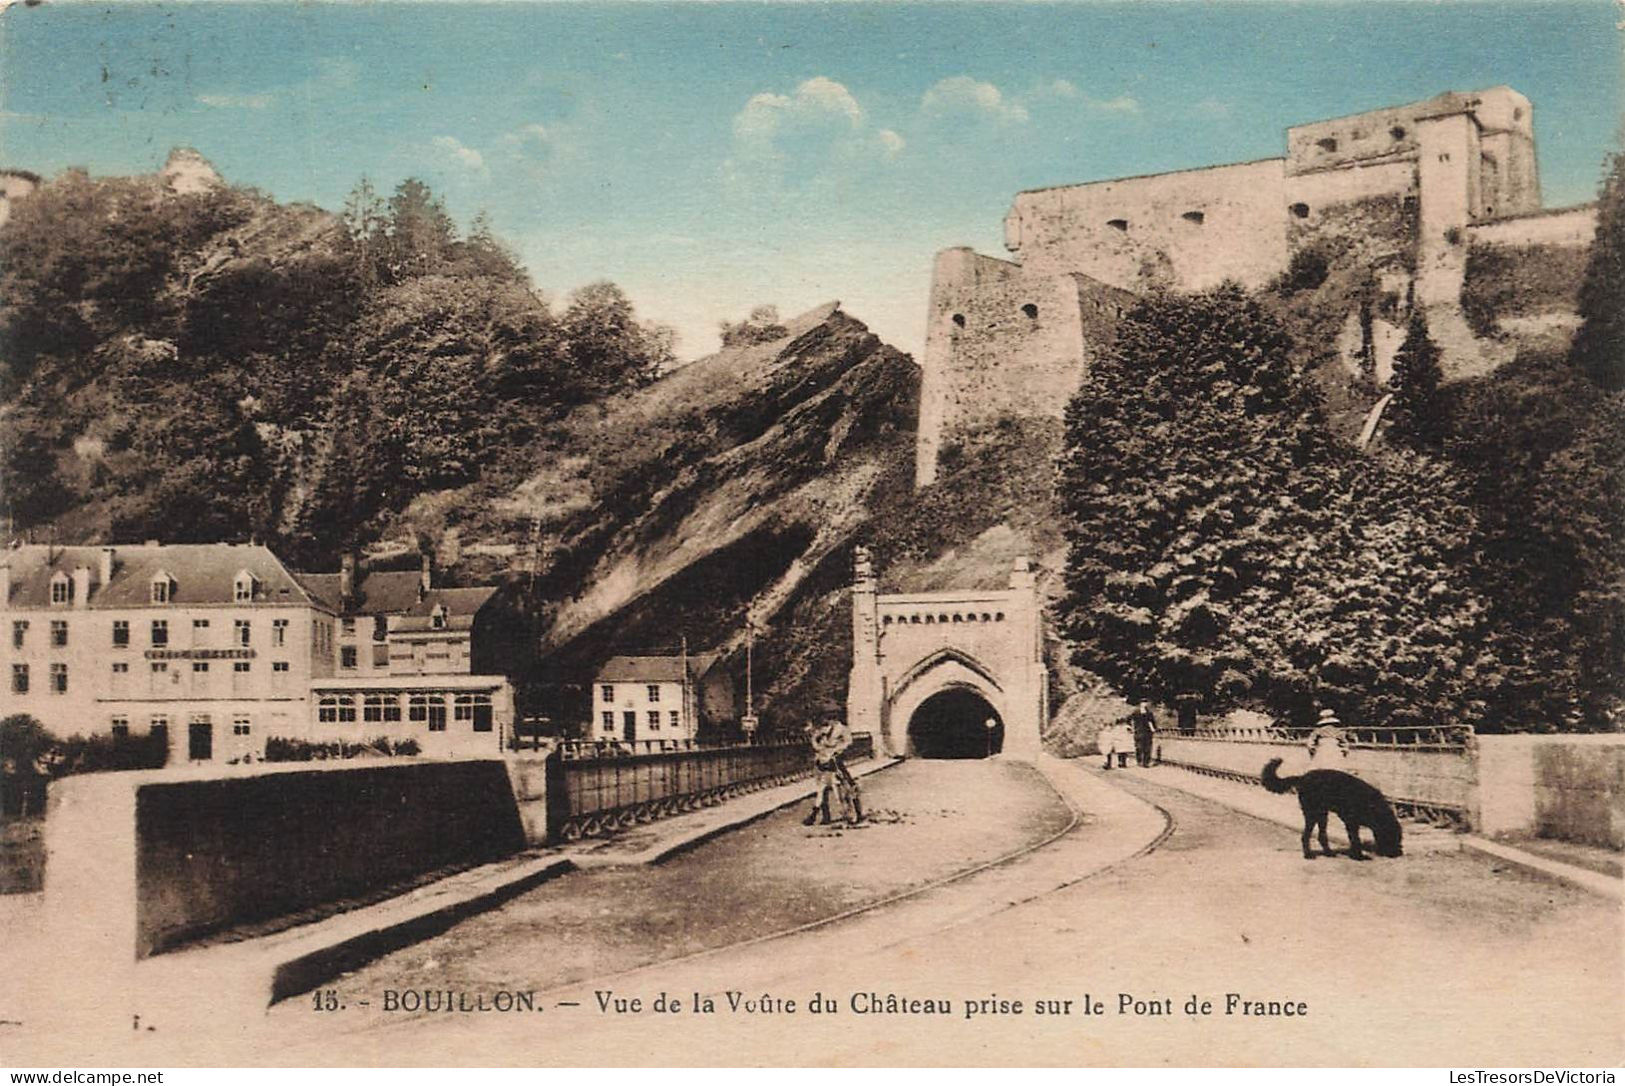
x=103, y=753
x=280, y=749
x=1306, y=270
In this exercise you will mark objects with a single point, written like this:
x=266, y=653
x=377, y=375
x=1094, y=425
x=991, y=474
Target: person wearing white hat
x=1328, y=742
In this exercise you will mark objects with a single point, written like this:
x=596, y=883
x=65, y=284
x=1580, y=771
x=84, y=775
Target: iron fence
x=594, y=791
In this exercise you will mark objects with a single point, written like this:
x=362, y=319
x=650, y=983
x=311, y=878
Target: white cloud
x=1060, y=88
x=1121, y=104
x=235, y=101
x=817, y=130
x=962, y=94
x=467, y=157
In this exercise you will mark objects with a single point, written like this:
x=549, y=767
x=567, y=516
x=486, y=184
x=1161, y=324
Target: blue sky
x=712, y=157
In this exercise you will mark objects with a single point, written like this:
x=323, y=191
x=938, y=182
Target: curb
x=1593, y=881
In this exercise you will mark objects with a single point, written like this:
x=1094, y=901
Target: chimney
x=107, y=566
x=426, y=577
x=347, y=581
x=81, y=587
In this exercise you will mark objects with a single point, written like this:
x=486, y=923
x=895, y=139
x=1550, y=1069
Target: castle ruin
x=1408, y=188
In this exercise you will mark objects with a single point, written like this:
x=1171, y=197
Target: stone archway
x=955, y=722
x=986, y=645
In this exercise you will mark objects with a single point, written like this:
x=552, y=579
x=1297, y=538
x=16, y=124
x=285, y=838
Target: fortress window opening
x=959, y=319
x=1397, y=132
x=1118, y=224
x=1194, y=217
x=1300, y=210
x=1328, y=144
x=1031, y=311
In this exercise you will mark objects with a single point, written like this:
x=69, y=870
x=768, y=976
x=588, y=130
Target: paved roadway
x=1436, y=959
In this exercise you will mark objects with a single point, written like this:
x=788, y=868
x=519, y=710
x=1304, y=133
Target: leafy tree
x=1220, y=539
x=1599, y=347
x=421, y=232
x=1415, y=383
x=365, y=225
x=608, y=349
x=22, y=740
x=762, y=326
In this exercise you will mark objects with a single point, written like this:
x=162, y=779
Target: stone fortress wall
x=1399, y=187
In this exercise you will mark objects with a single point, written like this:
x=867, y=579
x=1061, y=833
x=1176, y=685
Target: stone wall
x=1574, y=227
x=1191, y=230
x=1567, y=787
x=1005, y=341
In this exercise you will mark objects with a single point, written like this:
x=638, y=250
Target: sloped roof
x=461, y=604
x=203, y=573
x=381, y=593
x=656, y=669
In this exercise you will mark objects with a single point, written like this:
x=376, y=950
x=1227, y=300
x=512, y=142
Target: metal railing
x=593, y=793
x=1443, y=738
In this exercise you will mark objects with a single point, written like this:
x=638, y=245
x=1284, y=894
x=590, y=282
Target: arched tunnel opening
x=955, y=723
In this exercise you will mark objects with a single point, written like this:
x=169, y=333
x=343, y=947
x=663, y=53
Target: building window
x=279, y=675
x=417, y=708
x=61, y=589
x=279, y=631
x=121, y=726
x=674, y=718
x=654, y=692
x=381, y=709
x=121, y=633
x=608, y=718
x=200, y=624
x=630, y=719
x=162, y=589
x=462, y=707
x=160, y=632
x=1118, y=224
x=437, y=617
x=380, y=628
x=158, y=725
x=336, y=709
x=240, y=725
x=59, y=678
x=243, y=588
x=347, y=657
x=240, y=667
x=59, y=633
x=159, y=670
x=654, y=719
x=19, y=633
x=239, y=676
x=200, y=671
x=242, y=631
x=607, y=692
x=347, y=627
x=19, y=678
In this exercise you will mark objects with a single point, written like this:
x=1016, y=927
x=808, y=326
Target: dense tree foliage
x=1599, y=349
x=1220, y=540
x=215, y=366
x=1415, y=383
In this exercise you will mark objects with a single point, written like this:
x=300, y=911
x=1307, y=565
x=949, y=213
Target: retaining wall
x=1567, y=787
x=1428, y=779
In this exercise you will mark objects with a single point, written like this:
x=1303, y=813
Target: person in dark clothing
x=1143, y=724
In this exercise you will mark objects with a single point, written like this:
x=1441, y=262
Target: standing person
x=830, y=739
x=1143, y=724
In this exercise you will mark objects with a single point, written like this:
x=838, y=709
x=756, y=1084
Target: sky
x=711, y=157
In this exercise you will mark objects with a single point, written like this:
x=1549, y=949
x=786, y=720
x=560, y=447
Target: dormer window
x=61, y=589
x=163, y=587
x=437, y=617
x=242, y=588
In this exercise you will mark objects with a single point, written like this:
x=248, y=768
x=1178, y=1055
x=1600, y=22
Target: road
x=1440, y=958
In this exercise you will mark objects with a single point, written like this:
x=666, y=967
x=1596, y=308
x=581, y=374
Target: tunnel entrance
x=955, y=723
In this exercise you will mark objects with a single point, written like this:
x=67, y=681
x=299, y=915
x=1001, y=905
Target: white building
x=648, y=697
x=404, y=663
x=215, y=644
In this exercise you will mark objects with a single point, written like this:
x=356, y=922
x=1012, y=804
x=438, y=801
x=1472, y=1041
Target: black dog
x=1322, y=791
